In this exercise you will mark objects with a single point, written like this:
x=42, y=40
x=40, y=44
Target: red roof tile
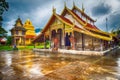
x=92, y=26
x=65, y=19
x=2, y=40
x=30, y=36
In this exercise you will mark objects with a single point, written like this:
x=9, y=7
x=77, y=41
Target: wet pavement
x=29, y=65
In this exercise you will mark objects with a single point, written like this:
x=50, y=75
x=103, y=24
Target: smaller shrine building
x=22, y=34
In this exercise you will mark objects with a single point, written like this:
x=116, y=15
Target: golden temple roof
x=18, y=26
x=87, y=28
x=29, y=27
x=18, y=23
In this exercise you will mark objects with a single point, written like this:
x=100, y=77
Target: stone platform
x=91, y=53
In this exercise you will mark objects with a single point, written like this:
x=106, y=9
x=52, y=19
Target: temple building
x=74, y=29
x=30, y=32
x=18, y=33
x=23, y=34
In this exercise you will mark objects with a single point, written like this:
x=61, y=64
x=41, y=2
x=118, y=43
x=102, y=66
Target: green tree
x=3, y=7
x=3, y=32
x=9, y=40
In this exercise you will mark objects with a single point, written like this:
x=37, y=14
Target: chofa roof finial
x=65, y=4
x=73, y=4
x=83, y=9
x=54, y=10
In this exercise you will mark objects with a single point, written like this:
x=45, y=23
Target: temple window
x=23, y=32
x=84, y=18
x=74, y=10
x=53, y=33
x=17, y=32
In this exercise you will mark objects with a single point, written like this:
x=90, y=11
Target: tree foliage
x=9, y=40
x=3, y=7
x=2, y=32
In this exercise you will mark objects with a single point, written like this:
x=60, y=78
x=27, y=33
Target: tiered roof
x=87, y=28
x=83, y=13
x=18, y=26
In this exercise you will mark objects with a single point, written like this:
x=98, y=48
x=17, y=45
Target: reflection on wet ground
x=29, y=65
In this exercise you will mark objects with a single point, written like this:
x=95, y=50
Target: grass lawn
x=8, y=48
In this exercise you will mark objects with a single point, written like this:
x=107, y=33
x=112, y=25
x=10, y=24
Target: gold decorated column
x=63, y=37
x=50, y=37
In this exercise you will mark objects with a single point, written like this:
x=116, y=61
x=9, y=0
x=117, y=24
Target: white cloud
x=41, y=14
x=115, y=4
x=9, y=25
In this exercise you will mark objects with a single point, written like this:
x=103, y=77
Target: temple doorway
x=54, y=41
x=17, y=41
x=67, y=41
x=59, y=36
x=56, y=38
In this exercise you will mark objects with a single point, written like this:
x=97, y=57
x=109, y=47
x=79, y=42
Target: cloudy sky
x=39, y=11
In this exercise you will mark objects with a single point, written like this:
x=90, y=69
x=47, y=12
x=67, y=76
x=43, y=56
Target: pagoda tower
x=18, y=33
x=30, y=33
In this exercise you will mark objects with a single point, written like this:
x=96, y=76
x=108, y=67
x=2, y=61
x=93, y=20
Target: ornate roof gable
x=18, y=23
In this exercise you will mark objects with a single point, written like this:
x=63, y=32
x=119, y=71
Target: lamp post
x=106, y=25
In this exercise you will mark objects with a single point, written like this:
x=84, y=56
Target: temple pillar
x=15, y=41
x=50, y=37
x=34, y=45
x=24, y=40
x=83, y=42
x=73, y=36
x=92, y=43
x=63, y=36
x=29, y=40
x=44, y=42
x=101, y=45
x=60, y=31
x=73, y=41
x=21, y=41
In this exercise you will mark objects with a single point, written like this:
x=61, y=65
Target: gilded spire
x=28, y=22
x=18, y=22
x=83, y=9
